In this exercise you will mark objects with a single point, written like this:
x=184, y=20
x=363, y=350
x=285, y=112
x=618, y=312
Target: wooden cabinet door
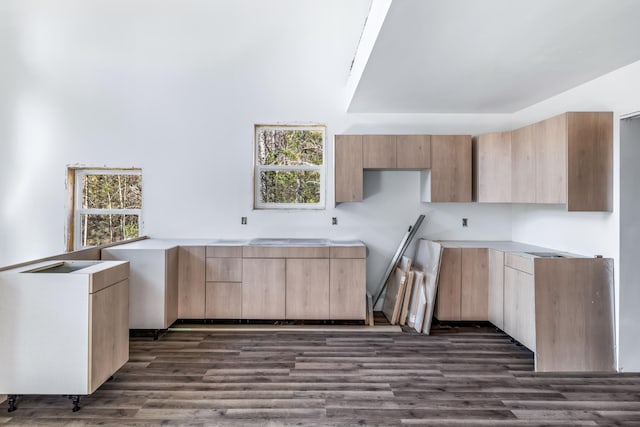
x=510, y=300
x=347, y=289
x=109, y=332
x=224, y=300
x=519, y=306
x=172, y=290
x=413, y=151
x=496, y=288
x=474, y=284
x=523, y=168
x=451, y=168
x=348, y=168
x=379, y=152
x=307, y=288
x=191, y=282
x=449, y=285
x=526, y=315
x=590, y=161
x=492, y=157
x=263, y=288
x=550, y=142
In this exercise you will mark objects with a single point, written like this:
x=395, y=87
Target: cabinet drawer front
x=519, y=262
x=224, y=251
x=308, y=252
x=264, y=252
x=224, y=270
x=348, y=251
x=223, y=300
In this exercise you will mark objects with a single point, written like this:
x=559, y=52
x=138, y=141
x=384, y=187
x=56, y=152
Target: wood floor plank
x=458, y=376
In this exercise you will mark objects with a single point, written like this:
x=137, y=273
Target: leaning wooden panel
x=590, y=169
x=574, y=314
x=393, y=296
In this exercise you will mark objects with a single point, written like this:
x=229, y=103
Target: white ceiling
x=492, y=56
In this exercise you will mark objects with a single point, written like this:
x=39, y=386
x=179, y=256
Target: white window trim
x=257, y=204
x=79, y=210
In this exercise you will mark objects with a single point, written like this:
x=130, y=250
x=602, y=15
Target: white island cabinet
x=63, y=327
x=153, y=280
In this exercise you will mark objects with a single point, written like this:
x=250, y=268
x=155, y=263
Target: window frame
x=74, y=220
x=257, y=168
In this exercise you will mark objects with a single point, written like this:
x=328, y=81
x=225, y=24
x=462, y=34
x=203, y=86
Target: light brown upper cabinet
x=396, y=151
x=523, y=168
x=450, y=179
x=492, y=161
x=567, y=159
x=413, y=151
x=379, y=152
x=348, y=168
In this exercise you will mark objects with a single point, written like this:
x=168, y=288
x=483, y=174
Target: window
x=289, y=167
x=106, y=206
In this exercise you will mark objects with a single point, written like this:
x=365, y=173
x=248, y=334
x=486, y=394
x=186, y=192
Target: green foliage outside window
x=111, y=193
x=289, y=163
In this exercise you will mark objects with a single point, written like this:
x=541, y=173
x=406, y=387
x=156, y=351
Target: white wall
x=588, y=233
x=629, y=268
x=83, y=86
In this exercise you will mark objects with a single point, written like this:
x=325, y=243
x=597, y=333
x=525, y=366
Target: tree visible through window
x=289, y=167
x=107, y=206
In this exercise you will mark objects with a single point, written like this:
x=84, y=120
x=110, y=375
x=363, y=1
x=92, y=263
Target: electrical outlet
x=243, y=220
x=334, y=220
x=465, y=222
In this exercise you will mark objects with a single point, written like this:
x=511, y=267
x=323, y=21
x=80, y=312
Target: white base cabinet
x=63, y=332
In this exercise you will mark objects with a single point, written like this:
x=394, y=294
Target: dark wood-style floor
x=459, y=376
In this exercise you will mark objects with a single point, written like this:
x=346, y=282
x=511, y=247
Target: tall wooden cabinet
x=492, y=163
x=348, y=168
x=451, y=168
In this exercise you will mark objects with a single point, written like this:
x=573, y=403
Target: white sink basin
x=288, y=242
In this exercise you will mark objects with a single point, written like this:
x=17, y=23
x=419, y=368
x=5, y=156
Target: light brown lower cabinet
x=307, y=282
x=224, y=300
x=519, y=306
x=463, y=284
x=263, y=288
x=191, y=282
x=273, y=282
x=495, y=303
x=347, y=288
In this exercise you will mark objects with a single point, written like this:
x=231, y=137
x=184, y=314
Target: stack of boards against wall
x=396, y=290
x=423, y=298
